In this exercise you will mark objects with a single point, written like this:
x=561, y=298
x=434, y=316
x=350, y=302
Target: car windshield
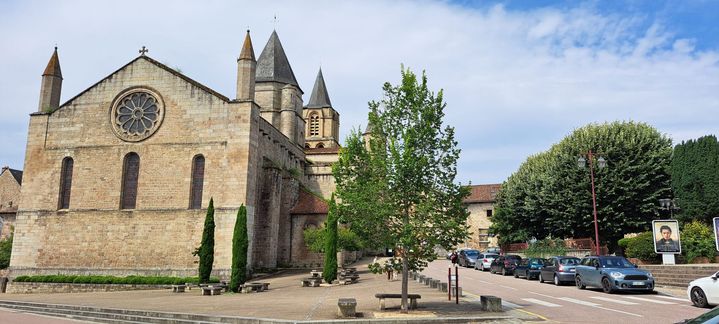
x=617, y=262
x=536, y=261
x=472, y=253
x=569, y=261
x=490, y=255
x=515, y=257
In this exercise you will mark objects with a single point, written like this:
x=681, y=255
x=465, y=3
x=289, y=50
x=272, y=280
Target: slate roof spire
x=53, y=66
x=273, y=64
x=319, y=97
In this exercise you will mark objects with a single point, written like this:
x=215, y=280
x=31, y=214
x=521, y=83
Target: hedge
x=134, y=280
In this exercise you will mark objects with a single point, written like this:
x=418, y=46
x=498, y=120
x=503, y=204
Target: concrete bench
x=316, y=274
x=311, y=282
x=211, y=290
x=178, y=288
x=259, y=286
x=412, y=299
x=434, y=283
x=346, y=307
x=491, y=303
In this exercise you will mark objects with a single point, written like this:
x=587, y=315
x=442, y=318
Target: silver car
x=484, y=260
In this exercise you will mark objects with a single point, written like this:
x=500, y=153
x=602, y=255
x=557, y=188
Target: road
x=567, y=304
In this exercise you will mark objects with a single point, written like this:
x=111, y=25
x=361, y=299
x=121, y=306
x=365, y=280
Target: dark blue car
x=529, y=268
x=612, y=273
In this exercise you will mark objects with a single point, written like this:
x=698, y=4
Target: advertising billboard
x=666, y=236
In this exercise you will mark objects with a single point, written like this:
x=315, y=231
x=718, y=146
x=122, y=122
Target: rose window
x=136, y=115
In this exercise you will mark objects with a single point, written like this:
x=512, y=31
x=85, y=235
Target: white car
x=704, y=292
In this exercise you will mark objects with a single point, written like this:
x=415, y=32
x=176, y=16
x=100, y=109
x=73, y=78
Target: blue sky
x=518, y=76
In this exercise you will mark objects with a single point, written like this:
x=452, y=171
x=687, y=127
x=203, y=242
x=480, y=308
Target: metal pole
x=456, y=286
x=594, y=202
x=449, y=283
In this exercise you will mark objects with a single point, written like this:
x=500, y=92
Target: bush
x=546, y=248
x=642, y=247
x=5, y=251
x=697, y=240
x=135, y=280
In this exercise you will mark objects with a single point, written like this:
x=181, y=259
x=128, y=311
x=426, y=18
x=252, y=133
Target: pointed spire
x=53, y=66
x=273, y=64
x=248, y=53
x=319, y=98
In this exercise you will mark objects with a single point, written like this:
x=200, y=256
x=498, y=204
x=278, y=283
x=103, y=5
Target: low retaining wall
x=49, y=287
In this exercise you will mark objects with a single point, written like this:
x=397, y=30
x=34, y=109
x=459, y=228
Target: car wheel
x=516, y=275
x=578, y=282
x=556, y=281
x=699, y=299
x=540, y=278
x=504, y=271
x=607, y=286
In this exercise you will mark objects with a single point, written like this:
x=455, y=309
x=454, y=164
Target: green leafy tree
x=329, y=272
x=397, y=187
x=695, y=178
x=346, y=239
x=698, y=241
x=207, y=246
x=240, y=244
x=5, y=251
x=550, y=195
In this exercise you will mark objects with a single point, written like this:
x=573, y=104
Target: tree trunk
x=405, y=282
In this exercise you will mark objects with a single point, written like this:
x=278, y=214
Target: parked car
x=504, y=264
x=494, y=250
x=485, y=261
x=612, y=273
x=704, y=292
x=529, y=268
x=467, y=258
x=559, y=269
x=710, y=317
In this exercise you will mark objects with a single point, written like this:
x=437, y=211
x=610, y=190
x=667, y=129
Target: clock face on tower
x=136, y=114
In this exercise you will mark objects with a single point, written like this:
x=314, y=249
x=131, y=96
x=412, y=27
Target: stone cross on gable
x=143, y=51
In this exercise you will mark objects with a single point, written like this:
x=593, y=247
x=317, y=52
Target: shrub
x=697, y=240
x=5, y=251
x=642, y=247
x=545, y=248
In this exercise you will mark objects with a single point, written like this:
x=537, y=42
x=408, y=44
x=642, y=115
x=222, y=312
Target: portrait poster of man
x=666, y=236
x=716, y=231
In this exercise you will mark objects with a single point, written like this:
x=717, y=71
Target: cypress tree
x=695, y=178
x=207, y=247
x=329, y=273
x=239, y=250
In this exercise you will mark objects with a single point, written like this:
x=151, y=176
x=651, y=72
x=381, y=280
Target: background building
x=480, y=205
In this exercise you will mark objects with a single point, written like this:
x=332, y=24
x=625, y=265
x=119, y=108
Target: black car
x=504, y=264
x=467, y=258
x=559, y=269
x=529, y=268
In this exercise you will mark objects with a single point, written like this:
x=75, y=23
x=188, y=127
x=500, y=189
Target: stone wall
x=7, y=224
x=9, y=192
x=479, y=225
x=46, y=287
x=301, y=255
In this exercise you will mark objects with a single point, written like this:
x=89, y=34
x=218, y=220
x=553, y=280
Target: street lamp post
x=668, y=204
x=601, y=162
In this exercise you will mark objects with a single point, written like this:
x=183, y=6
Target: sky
x=517, y=76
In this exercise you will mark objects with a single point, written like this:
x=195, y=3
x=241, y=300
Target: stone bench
x=412, y=299
x=434, y=283
x=178, y=288
x=311, y=282
x=491, y=303
x=316, y=274
x=259, y=286
x=212, y=290
x=346, y=307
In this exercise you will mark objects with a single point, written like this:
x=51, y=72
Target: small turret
x=51, y=85
x=246, y=69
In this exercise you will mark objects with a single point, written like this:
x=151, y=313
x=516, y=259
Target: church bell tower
x=323, y=121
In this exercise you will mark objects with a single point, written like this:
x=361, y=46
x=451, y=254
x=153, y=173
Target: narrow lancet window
x=198, y=177
x=130, y=175
x=65, y=183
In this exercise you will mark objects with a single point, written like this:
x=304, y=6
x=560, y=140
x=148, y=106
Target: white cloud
x=515, y=82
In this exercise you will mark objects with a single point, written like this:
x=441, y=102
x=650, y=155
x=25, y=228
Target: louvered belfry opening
x=314, y=125
x=198, y=177
x=130, y=175
x=65, y=183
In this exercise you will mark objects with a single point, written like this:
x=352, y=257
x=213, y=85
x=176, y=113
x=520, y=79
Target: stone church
x=118, y=178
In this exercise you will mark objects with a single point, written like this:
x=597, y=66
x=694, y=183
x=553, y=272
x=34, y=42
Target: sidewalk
x=286, y=300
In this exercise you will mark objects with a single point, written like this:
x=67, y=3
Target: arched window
x=63, y=201
x=320, y=145
x=130, y=175
x=198, y=177
x=314, y=124
x=307, y=145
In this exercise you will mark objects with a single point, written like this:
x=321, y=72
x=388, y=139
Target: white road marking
x=674, y=298
x=510, y=305
x=482, y=281
x=577, y=301
x=508, y=287
x=650, y=300
x=618, y=301
x=541, y=302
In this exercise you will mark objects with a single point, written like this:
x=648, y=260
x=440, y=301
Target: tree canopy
x=550, y=195
x=695, y=178
x=397, y=186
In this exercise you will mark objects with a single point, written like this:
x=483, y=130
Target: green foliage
x=207, y=246
x=329, y=271
x=5, y=251
x=397, y=188
x=550, y=195
x=642, y=247
x=133, y=280
x=346, y=239
x=240, y=245
x=624, y=242
x=695, y=178
x=698, y=241
x=546, y=248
